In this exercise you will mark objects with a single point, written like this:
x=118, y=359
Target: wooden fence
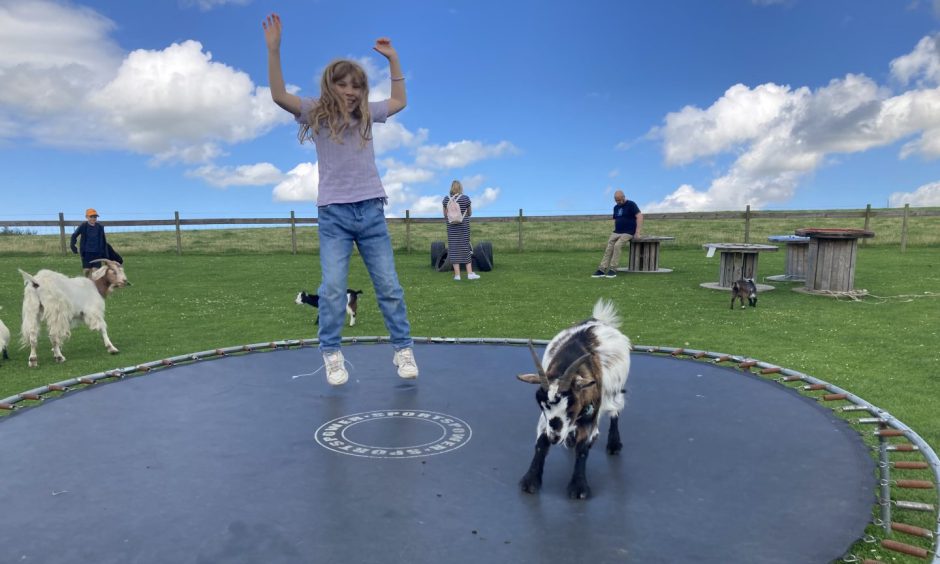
x=407, y=224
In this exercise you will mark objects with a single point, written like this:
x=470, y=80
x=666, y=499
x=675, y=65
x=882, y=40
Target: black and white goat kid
x=581, y=376
x=744, y=288
x=313, y=300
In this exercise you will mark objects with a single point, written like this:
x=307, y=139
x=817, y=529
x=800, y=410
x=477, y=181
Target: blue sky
x=142, y=108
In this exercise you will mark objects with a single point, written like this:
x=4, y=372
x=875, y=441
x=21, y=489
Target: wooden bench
x=830, y=261
x=738, y=260
x=796, y=258
x=644, y=255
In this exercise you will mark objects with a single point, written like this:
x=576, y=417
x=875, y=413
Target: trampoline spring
x=7, y=406
x=914, y=505
x=889, y=433
x=220, y=352
x=166, y=362
x=747, y=364
x=143, y=368
x=856, y=408
x=871, y=421
x=31, y=397
x=772, y=370
x=722, y=358
x=700, y=354
x=912, y=530
x=911, y=465
x=87, y=381
x=904, y=448
x=791, y=379
x=834, y=397
x=57, y=388
x=677, y=352
x=814, y=387
x=910, y=484
x=905, y=548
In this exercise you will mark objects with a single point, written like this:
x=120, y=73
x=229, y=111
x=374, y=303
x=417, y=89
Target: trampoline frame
x=888, y=425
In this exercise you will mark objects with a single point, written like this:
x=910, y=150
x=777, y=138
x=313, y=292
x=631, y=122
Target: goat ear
x=530, y=378
x=583, y=383
x=97, y=274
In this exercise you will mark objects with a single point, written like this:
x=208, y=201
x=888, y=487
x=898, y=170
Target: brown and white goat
x=744, y=288
x=585, y=371
x=4, y=340
x=59, y=301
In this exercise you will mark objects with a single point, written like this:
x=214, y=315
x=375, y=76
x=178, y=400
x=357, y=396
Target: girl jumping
x=351, y=201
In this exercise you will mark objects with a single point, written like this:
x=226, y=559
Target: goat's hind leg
x=532, y=481
x=613, y=436
x=101, y=326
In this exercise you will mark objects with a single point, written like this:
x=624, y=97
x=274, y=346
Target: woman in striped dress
x=458, y=234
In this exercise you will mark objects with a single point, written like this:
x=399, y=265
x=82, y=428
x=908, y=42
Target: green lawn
x=884, y=348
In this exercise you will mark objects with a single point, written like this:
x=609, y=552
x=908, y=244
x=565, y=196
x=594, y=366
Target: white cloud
x=428, y=205
x=780, y=134
x=302, y=184
x=927, y=195
x=922, y=64
x=471, y=182
x=400, y=173
x=393, y=134
x=206, y=5
x=165, y=101
x=488, y=196
x=259, y=174
x=66, y=83
x=461, y=153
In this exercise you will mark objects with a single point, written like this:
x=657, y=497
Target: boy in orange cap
x=94, y=244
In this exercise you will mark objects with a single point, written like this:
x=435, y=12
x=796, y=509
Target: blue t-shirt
x=625, y=217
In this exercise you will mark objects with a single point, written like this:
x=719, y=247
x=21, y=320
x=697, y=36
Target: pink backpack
x=453, y=210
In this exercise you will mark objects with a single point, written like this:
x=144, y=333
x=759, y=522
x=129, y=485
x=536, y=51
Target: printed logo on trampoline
x=394, y=434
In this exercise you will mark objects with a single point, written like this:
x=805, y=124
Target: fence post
x=519, y=248
x=179, y=240
x=407, y=231
x=747, y=224
x=907, y=209
x=62, y=232
x=867, y=221
x=293, y=234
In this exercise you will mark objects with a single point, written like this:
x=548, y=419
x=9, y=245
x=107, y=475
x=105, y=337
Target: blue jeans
x=363, y=223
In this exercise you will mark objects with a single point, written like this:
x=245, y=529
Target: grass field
x=884, y=348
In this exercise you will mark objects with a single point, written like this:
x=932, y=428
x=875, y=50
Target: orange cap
x=90, y=212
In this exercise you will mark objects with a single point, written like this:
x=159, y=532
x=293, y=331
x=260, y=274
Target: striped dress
x=458, y=234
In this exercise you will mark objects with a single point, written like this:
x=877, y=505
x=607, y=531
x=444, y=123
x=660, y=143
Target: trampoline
x=252, y=457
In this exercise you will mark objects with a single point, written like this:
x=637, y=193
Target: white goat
x=4, y=339
x=586, y=369
x=61, y=302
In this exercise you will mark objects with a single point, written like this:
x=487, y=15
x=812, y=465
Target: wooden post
x=62, y=232
x=293, y=234
x=179, y=240
x=907, y=210
x=747, y=224
x=519, y=247
x=407, y=231
x=867, y=221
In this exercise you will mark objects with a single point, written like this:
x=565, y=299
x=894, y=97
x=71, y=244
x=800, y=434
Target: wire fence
x=898, y=227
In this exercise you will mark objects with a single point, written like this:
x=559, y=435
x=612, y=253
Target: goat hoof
x=614, y=448
x=579, y=491
x=113, y=350
x=530, y=485
x=33, y=362
x=60, y=359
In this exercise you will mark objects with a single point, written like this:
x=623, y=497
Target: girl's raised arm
x=272, y=37
x=399, y=99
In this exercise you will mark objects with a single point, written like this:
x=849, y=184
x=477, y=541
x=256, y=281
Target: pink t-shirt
x=347, y=170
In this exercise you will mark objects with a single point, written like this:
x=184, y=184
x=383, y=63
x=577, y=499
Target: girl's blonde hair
x=330, y=110
x=456, y=188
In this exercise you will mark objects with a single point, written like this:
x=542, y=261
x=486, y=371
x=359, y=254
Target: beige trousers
x=612, y=253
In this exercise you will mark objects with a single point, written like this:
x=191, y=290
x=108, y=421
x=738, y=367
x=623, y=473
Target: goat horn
x=565, y=381
x=538, y=365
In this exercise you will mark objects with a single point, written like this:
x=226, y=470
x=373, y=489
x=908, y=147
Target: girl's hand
x=272, y=31
x=384, y=46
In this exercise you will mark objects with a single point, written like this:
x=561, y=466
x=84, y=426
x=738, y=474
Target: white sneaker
x=473, y=276
x=404, y=359
x=336, y=373
x=457, y=277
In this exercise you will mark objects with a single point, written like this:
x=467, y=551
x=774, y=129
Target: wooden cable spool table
x=830, y=261
x=644, y=255
x=738, y=260
x=796, y=258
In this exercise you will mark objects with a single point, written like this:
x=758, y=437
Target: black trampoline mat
x=247, y=459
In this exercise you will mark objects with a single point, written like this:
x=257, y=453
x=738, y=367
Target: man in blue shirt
x=628, y=222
